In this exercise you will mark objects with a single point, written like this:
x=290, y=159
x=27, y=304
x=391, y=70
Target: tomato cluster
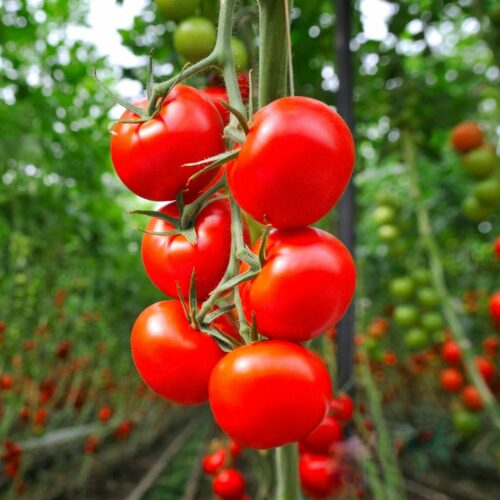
x=480, y=163
x=228, y=483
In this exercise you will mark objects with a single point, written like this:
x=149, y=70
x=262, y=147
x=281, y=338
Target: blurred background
x=75, y=419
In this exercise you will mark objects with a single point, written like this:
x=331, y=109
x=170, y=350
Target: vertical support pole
x=346, y=207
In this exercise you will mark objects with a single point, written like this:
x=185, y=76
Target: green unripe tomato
x=384, y=214
x=439, y=337
x=416, y=339
x=240, y=55
x=466, y=422
x=421, y=276
x=428, y=297
x=176, y=9
x=487, y=191
x=386, y=198
x=195, y=38
x=388, y=233
x=398, y=248
x=402, y=288
x=479, y=162
x=371, y=345
x=474, y=210
x=432, y=322
x=406, y=315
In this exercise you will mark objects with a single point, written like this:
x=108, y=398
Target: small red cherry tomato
x=229, y=484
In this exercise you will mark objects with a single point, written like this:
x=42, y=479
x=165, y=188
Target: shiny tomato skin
x=269, y=393
x=171, y=259
x=305, y=286
x=323, y=438
x=229, y=484
x=295, y=163
x=149, y=157
x=320, y=475
x=217, y=94
x=172, y=358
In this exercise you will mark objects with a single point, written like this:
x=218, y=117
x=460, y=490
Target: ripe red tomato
x=486, y=368
x=451, y=352
x=149, y=157
x=229, y=484
x=172, y=358
x=295, y=163
x=471, y=398
x=496, y=246
x=214, y=462
x=491, y=345
x=171, y=259
x=342, y=407
x=254, y=393
x=217, y=94
x=451, y=380
x=494, y=306
x=305, y=286
x=320, y=475
x=105, y=413
x=323, y=438
x=234, y=449
x=466, y=136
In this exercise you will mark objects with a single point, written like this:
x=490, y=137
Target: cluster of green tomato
x=416, y=310
x=479, y=162
x=195, y=35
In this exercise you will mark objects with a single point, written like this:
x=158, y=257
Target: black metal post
x=346, y=207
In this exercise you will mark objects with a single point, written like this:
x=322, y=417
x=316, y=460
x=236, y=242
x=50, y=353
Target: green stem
x=273, y=35
x=439, y=280
x=221, y=54
x=287, y=473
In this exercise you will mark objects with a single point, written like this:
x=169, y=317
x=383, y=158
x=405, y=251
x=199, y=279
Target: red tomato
x=234, y=449
x=295, y=163
x=149, y=157
x=466, y=136
x=244, y=84
x=319, y=475
x=491, y=345
x=217, y=94
x=471, y=398
x=494, y=306
x=497, y=247
x=451, y=352
x=229, y=484
x=105, y=413
x=322, y=439
x=214, y=462
x=486, y=368
x=342, y=407
x=171, y=259
x=172, y=358
x=306, y=285
x=269, y=393
x=451, y=380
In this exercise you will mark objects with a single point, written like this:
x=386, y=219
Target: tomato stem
x=273, y=35
x=286, y=470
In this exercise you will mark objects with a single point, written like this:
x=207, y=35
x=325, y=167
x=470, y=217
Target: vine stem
x=439, y=280
x=221, y=54
x=286, y=471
